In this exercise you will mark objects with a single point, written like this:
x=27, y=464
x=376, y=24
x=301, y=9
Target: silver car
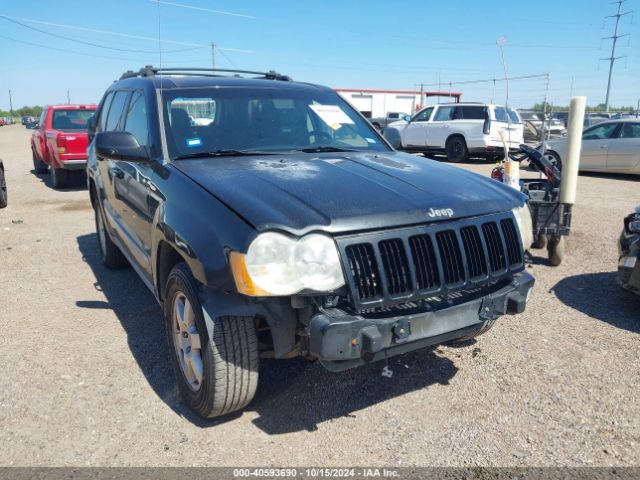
x=611, y=146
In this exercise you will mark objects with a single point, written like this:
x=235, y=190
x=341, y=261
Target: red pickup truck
x=60, y=141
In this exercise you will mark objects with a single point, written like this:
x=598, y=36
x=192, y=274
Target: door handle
x=116, y=172
x=604, y=146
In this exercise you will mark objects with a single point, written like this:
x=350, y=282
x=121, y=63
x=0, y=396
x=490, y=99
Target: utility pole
x=544, y=117
x=213, y=56
x=68, y=98
x=571, y=88
x=10, y=104
x=613, y=57
x=421, y=95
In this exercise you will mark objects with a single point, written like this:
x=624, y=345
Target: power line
x=93, y=55
x=202, y=9
x=106, y=32
x=126, y=35
x=92, y=44
x=228, y=59
x=613, y=57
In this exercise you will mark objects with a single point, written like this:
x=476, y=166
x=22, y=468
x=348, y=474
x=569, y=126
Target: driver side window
x=600, y=132
x=423, y=116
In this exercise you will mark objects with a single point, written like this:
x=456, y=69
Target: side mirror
x=407, y=118
x=120, y=146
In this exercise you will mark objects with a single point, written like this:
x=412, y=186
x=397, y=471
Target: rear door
x=415, y=132
x=595, y=145
x=113, y=186
x=623, y=153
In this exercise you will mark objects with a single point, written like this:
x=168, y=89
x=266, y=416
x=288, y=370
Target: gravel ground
x=87, y=381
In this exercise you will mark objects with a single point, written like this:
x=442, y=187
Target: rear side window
x=471, y=112
x=136, y=120
x=443, y=114
x=630, y=130
x=104, y=110
x=71, y=119
x=115, y=111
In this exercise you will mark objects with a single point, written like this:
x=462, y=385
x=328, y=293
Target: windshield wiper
x=325, y=148
x=223, y=153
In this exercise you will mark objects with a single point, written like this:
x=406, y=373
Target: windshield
x=214, y=119
x=71, y=119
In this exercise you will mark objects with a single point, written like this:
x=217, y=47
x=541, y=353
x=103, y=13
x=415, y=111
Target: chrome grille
x=400, y=266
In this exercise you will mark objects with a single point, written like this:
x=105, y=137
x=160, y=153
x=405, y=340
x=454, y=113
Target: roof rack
x=151, y=71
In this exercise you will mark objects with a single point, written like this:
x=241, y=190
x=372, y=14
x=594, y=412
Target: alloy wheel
x=186, y=340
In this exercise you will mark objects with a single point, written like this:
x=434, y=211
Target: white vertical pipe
x=571, y=163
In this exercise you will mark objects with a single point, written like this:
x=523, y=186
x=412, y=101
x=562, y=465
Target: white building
x=377, y=103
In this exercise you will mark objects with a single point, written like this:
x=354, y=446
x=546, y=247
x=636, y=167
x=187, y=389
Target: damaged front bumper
x=341, y=341
x=628, y=262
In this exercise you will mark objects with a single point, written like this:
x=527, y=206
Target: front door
x=136, y=180
x=415, y=132
x=595, y=145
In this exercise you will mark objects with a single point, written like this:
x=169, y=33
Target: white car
x=612, y=146
x=459, y=130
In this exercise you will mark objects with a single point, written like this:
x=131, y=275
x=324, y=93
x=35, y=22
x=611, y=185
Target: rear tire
x=38, y=165
x=456, y=149
x=3, y=190
x=217, y=375
x=59, y=177
x=110, y=254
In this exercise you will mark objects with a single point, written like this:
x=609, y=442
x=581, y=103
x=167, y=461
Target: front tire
x=456, y=149
x=216, y=375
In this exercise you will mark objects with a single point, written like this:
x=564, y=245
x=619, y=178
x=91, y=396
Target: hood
x=558, y=145
x=399, y=124
x=351, y=191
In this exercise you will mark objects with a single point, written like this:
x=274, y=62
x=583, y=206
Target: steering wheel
x=320, y=136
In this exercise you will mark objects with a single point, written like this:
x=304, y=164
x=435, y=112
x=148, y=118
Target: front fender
x=200, y=228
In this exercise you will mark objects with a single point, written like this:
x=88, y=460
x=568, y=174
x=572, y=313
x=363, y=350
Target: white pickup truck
x=459, y=130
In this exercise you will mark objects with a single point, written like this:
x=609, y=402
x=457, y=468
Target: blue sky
x=349, y=43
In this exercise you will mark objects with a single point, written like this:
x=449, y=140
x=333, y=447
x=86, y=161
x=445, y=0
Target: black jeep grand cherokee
x=270, y=219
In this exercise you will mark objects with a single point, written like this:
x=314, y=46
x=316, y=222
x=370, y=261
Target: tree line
x=549, y=107
x=34, y=111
